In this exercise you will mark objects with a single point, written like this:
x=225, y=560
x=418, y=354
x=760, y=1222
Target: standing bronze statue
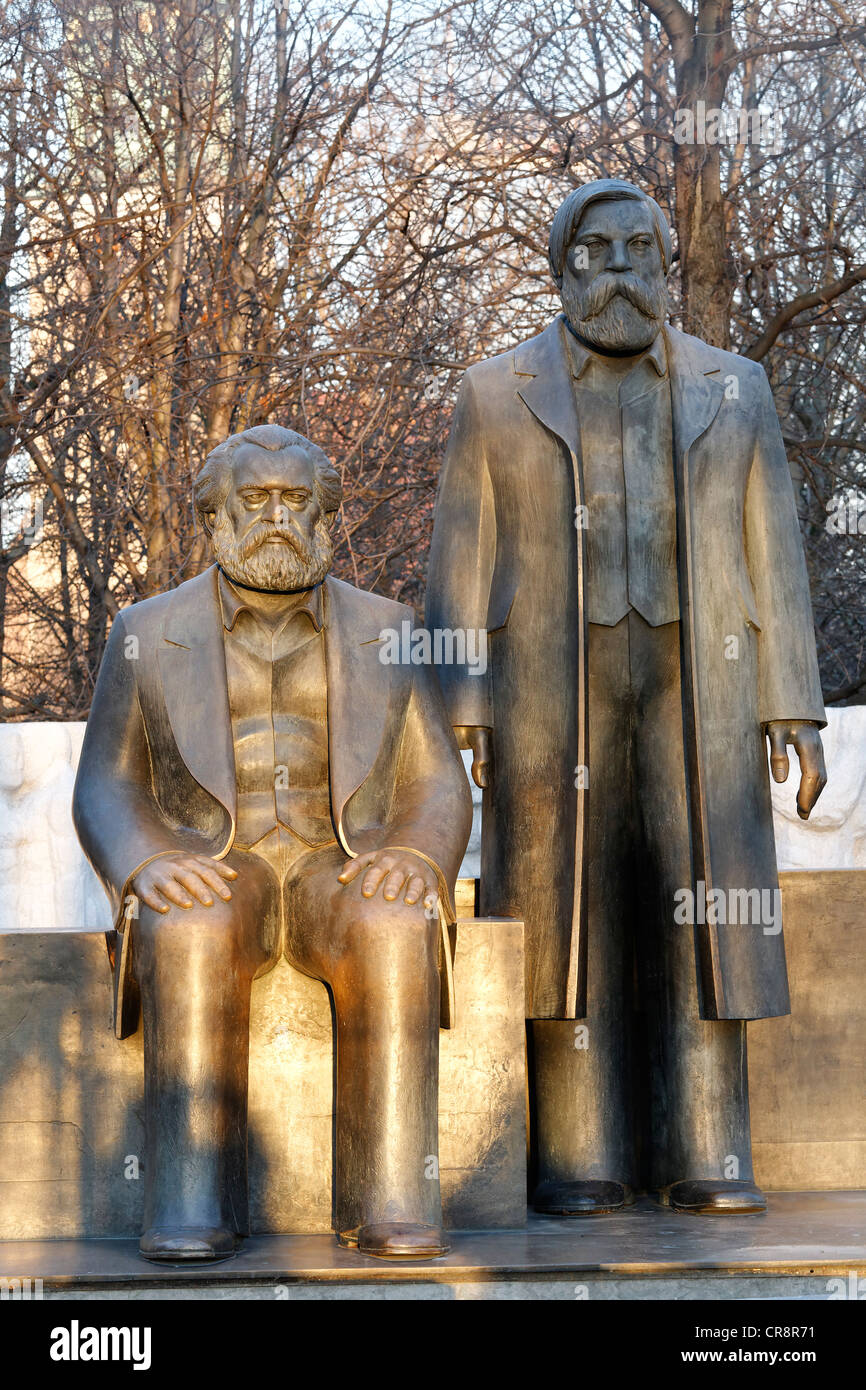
x=616, y=509
x=256, y=780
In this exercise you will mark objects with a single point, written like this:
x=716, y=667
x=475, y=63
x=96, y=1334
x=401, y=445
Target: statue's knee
x=396, y=927
x=199, y=927
x=393, y=951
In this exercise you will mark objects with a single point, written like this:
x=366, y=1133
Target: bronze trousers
x=643, y=1090
x=195, y=968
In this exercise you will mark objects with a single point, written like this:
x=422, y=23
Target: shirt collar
x=582, y=356
x=235, y=600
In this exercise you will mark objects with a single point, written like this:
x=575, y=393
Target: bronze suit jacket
x=157, y=764
x=506, y=555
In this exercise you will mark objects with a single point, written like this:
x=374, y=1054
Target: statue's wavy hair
x=569, y=213
x=211, y=487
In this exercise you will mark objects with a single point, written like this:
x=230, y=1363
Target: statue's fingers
x=372, y=878
x=817, y=758
x=394, y=882
x=151, y=899
x=811, y=787
x=778, y=755
x=353, y=867
x=218, y=866
x=482, y=749
x=210, y=876
x=195, y=886
x=174, y=892
x=415, y=889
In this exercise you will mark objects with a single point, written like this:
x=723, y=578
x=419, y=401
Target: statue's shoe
x=586, y=1197
x=177, y=1243
x=714, y=1197
x=397, y=1240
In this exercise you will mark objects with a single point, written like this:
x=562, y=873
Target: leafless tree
x=216, y=212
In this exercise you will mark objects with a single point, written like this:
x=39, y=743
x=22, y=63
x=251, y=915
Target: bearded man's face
x=271, y=533
x=613, y=287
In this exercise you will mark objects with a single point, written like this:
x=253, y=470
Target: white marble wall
x=46, y=884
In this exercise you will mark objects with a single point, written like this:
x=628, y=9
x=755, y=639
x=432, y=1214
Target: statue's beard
x=272, y=568
x=617, y=312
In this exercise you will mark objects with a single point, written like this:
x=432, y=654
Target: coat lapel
x=358, y=691
x=697, y=389
x=193, y=671
x=547, y=389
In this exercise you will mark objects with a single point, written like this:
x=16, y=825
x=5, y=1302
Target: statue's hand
x=394, y=870
x=480, y=740
x=181, y=879
x=806, y=738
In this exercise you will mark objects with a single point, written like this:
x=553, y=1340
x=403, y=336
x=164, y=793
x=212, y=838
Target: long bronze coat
x=508, y=555
x=157, y=766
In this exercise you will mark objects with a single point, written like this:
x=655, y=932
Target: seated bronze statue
x=256, y=780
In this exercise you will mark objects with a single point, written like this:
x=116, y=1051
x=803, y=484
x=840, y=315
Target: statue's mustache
x=605, y=287
x=263, y=532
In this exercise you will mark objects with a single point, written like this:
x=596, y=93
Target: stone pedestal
x=809, y=1245
x=71, y=1095
x=807, y=1072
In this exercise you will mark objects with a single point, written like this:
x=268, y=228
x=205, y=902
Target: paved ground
x=808, y=1245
